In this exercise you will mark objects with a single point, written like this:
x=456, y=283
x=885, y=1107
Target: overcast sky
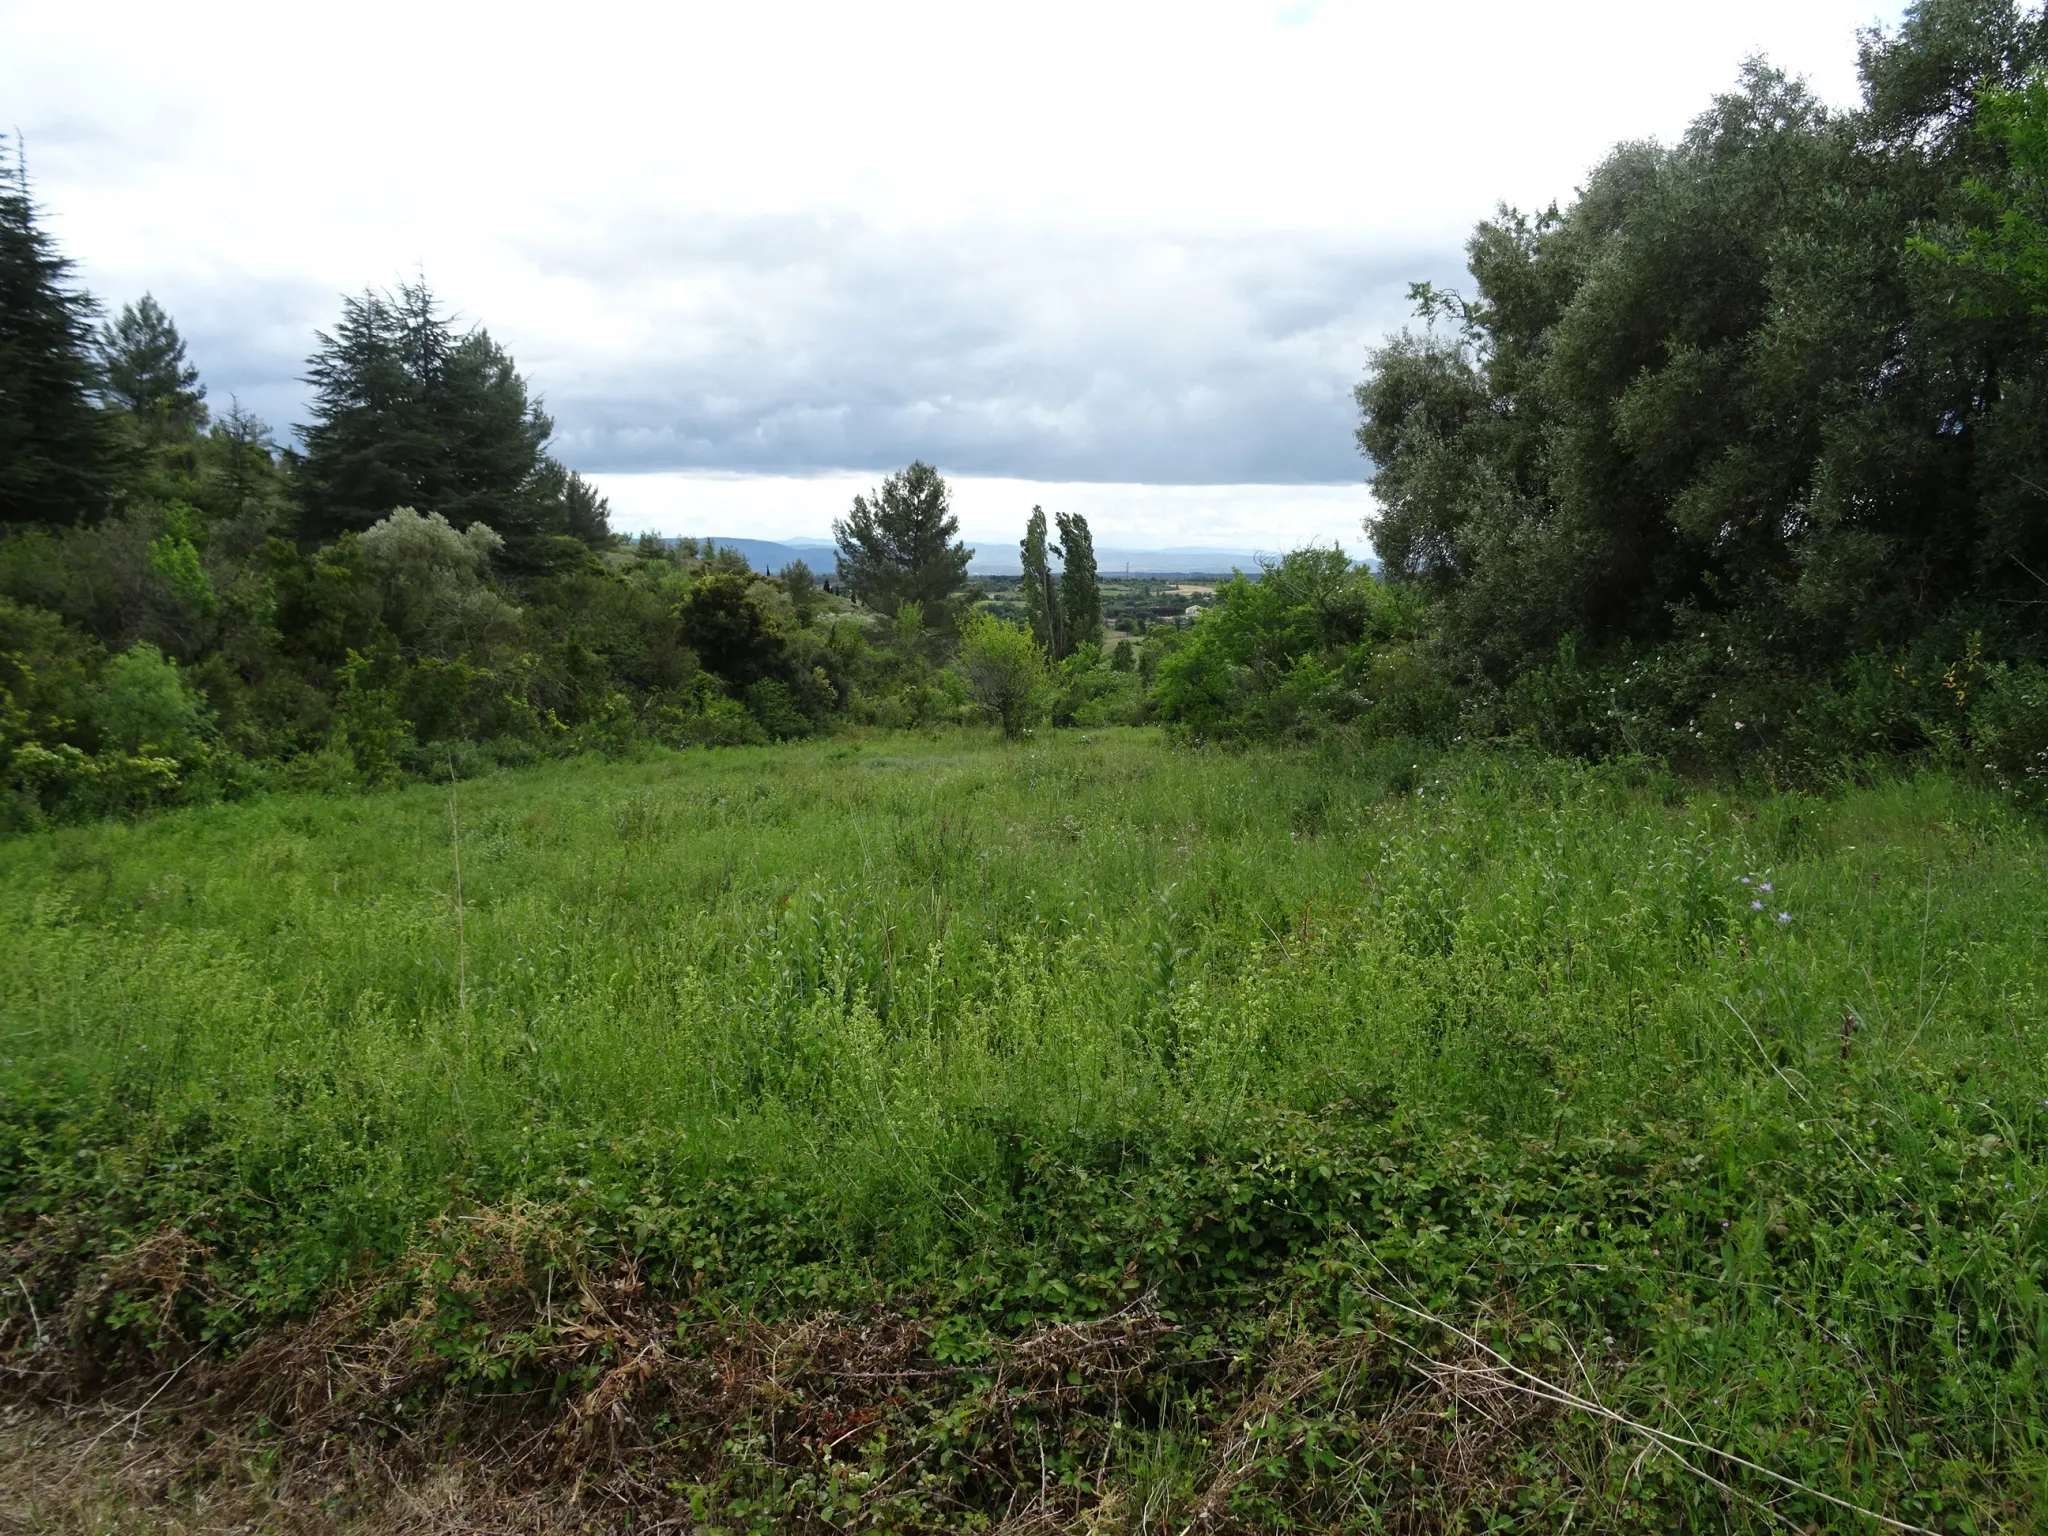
x=754, y=254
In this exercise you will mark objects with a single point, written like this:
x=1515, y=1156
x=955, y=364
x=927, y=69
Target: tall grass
x=884, y=972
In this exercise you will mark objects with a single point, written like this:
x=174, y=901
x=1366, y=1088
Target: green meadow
x=1307, y=1138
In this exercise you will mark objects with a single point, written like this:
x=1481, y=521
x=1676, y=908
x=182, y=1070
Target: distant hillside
x=770, y=556
x=1180, y=560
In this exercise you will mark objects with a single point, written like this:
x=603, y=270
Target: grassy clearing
x=923, y=1133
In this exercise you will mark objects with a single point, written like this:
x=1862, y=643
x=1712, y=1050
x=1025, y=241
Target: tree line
x=1742, y=456
x=1737, y=460
x=191, y=608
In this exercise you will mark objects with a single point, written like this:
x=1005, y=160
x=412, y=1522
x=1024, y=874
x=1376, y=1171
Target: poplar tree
x=1080, y=592
x=1043, y=613
x=57, y=462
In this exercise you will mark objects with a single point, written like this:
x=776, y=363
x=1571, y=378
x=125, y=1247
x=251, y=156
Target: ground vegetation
x=1542, y=1036
x=917, y=1133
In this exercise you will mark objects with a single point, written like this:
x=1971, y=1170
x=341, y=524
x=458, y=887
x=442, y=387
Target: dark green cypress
x=57, y=460
x=407, y=412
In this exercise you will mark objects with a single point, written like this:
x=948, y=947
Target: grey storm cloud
x=807, y=344
x=1143, y=243
x=800, y=344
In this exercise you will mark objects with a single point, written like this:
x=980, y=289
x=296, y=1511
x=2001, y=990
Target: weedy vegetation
x=933, y=1132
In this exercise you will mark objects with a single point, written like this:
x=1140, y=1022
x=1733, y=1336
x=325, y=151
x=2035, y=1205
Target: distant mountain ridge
x=1114, y=560
x=769, y=556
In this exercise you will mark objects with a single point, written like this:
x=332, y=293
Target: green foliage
x=907, y=631
x=1087, y=690
x=435, y=597
x=1063, y=613
x=1293, y=649
x=368, y=725
x=724, y=622
x=406, y=413
x=1202, y=1066
x=56, y=456
x=710, y=717
x=900, y=545
x=1044, y=616
x=2005, y=250
x=802, y=588
x=1004, y=670
x=2011, y=730
x=174, y=556
x=144, y=706
x=82, y=734
x=1080, y=595
x=1724, y=406
x=144, y=370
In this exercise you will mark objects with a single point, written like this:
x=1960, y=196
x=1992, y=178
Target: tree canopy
x=1080, y=593
x=1724, y=406
x=409, y=412
x=56, y=456
x=900, y=545
x=1062, y=612
x=144, y=369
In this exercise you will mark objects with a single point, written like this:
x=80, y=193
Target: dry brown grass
x=69, y=1472
x=505, y=1381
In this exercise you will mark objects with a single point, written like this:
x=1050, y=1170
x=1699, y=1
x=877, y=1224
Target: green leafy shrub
x=143, y=704
x=771, y=702
x=368, y=722
x=1293, y=651
x=2010, y=720
x=707, y=716
x=1004, y=671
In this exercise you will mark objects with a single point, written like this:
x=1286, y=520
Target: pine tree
x=1043, y=615
x=899, y=546
x=368, y=449
x=242, y=459
x=57, y=462
x=589, y=511
x=409, y=413
x=1080, y=592
x=144, y=371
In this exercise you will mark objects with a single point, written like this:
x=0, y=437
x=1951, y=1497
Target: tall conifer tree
x=899, y=546
x=406, y=412
x=144, y=370
x=56, y=455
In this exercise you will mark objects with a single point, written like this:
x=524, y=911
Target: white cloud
x=992, y=510
x=1120, y=240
